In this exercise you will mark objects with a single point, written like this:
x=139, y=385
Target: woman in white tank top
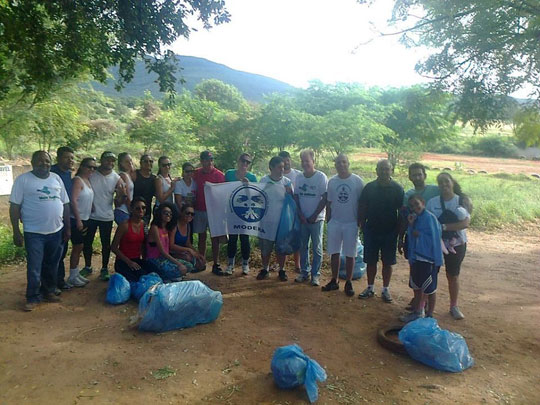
x=165, y=184
x=127, y=170
x=82, y=197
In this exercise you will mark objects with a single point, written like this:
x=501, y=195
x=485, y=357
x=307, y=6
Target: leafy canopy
x=481, y=49
x=44, y=42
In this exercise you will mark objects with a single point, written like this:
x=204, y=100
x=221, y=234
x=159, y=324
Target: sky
x=296, y=41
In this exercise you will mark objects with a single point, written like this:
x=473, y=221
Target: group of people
x=427, y=223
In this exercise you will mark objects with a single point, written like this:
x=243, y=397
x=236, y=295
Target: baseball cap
x=108, y=155
x=206, y=155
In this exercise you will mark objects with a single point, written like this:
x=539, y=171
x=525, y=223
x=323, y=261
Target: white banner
x=244, y=208
x=6, y=179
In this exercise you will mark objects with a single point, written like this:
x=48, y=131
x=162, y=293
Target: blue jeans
x=315, y=232
x=43, y=254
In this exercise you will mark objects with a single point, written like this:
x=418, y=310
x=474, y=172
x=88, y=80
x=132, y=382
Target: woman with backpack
x=452, y=208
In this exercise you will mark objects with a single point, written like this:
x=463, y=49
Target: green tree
x=480, y=46
x=225, y=95
x=46, y=42
x=527, y=125
x=415, y=116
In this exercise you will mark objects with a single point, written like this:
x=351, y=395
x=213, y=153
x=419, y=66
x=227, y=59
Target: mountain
x=194, y=70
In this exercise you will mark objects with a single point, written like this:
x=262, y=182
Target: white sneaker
x=75, y=282
x=245, y=269
x=301, y=278
x=229, y=270
x=83, y=279
x=456, y=313
x=315, y=281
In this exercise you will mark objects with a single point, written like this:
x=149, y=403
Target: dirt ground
x=490, y=165
x=83, y=350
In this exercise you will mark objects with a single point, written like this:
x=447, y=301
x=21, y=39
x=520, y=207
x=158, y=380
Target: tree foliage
x=527, y=125
x=46, y=42
x=481, y=49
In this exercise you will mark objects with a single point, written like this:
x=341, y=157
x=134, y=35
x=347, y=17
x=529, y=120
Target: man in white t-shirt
x=275, y=177
x=291, y=173
x=105, y=182
x=344, y=191
x=310, y=196
x=39, y=200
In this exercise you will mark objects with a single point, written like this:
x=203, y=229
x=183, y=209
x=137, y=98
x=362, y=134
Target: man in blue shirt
x=65, y=161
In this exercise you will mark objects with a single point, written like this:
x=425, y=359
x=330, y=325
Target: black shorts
x=385, y=243
x=77, y=237
x=424, y=277
x=452, y=261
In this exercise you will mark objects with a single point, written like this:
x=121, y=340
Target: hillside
x=194, y=70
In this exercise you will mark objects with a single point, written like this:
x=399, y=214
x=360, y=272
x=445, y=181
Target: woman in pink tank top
x=157, y=244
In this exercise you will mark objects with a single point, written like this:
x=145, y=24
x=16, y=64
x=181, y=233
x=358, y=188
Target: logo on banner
x=249, y=203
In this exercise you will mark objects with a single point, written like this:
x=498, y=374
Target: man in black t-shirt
x=379, y=206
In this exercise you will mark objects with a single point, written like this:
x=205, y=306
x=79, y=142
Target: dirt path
x=84, y=351
x=490, y=165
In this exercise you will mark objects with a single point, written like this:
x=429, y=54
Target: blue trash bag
x=288, y=232
x=119, y=289
x=178, y=305
x=145, y=282
x=427, y=343
x=291, y=368
x=359, y=266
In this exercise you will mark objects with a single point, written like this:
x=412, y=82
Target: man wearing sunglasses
x=207, y=172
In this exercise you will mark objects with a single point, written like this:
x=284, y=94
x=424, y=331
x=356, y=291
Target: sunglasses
x=189, y=171
x=147, y=161
x=167, y=213
x=190, y=213
x=166, y=165
x=245, y=161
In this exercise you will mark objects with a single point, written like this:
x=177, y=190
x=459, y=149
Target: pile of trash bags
x=427, y=343
x=179, y=305
x=291, y=368
x=359, y=266
x=164, y=307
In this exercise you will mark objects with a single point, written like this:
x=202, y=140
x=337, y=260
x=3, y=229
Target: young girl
x=157, y=245
x=128, y=243
x=180, y=244
x=425, y=257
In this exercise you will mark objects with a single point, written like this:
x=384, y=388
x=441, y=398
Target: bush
x=494, y=146
x=8, y=251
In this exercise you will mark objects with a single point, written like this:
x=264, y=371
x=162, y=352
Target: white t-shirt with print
x=344, y=195
x=434, y=206
x=187, y=192
x=42, y=202
x=310, y=191
x=104, y=188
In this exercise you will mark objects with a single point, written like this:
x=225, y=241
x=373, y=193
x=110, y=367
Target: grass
x=8, y=251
